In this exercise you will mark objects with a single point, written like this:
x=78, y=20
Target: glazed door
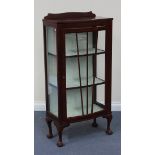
x=85, y=71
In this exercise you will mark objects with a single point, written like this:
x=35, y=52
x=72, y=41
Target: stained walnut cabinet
x=78, y=61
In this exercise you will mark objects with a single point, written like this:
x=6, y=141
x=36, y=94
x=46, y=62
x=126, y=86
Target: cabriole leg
x=49, y=124
x=109, y=131
x=59, y=142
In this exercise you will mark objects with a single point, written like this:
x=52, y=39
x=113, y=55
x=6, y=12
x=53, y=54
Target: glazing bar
x=79, y=73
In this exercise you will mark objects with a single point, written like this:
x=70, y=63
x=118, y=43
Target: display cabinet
x=78, y=62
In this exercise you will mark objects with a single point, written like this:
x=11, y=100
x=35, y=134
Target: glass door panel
x=82, y=55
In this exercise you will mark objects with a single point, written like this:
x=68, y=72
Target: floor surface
x=79, y=138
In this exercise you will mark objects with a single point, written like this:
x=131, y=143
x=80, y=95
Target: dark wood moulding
x=70, y=15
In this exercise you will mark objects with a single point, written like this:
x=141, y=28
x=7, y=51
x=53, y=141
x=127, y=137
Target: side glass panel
x=82, y=80
x=52, y=70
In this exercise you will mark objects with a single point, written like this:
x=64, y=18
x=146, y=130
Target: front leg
x=109, y=131
x=59, y=142
x=49, y=124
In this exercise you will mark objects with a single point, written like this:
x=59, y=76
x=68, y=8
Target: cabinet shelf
x=82, y=52
x=71, y=84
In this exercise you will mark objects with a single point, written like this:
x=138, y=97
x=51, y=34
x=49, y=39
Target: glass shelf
x=82, y=52
x=75, y=83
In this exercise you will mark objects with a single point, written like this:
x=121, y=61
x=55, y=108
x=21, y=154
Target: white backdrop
x=105, y=8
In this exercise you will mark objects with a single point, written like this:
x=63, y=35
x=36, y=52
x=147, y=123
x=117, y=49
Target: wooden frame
x=65, y=23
